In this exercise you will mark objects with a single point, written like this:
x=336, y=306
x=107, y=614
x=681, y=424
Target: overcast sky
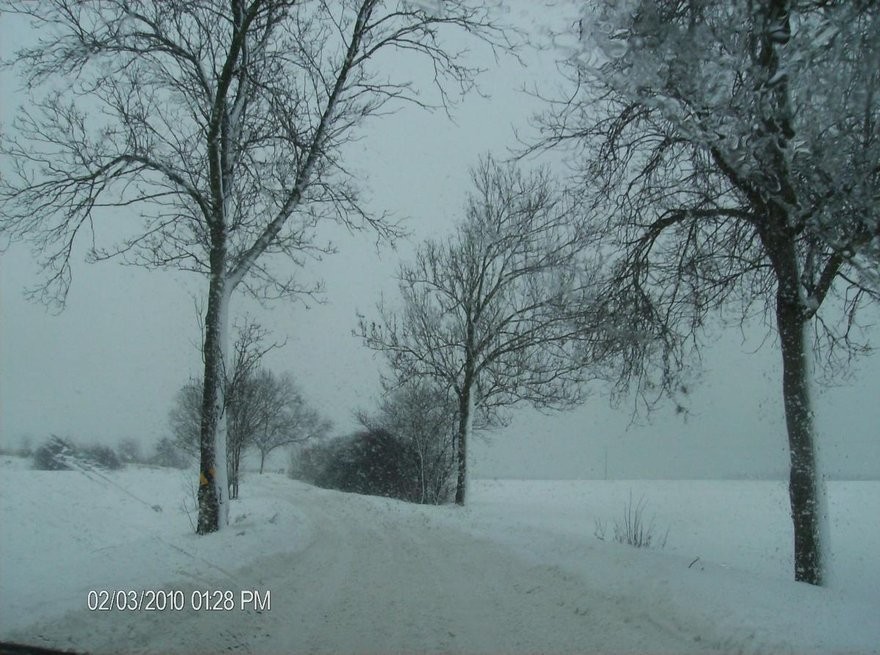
x=108, y=366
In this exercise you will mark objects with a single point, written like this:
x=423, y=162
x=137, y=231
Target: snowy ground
x=518, y=571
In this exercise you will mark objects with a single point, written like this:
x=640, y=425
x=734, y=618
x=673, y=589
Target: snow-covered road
x=375, y=581
x=517, y=571
x=378, y=581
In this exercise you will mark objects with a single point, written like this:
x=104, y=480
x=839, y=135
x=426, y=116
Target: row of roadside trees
x=219, y=129
x=724, y=160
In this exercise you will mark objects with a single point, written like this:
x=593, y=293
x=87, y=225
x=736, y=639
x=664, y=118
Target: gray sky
x=109, y=365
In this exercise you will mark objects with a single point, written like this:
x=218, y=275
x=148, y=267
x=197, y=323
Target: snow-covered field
x=518, y=570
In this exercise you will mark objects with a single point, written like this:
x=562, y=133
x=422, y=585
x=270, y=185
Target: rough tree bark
x=465, y=421
x=807, y=491
x=806, y=488
x=213, y=494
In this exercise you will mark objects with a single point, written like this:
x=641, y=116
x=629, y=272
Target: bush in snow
x=632, y=529
x=373, y=462
x=54, y=455
x=100, y=456
x=59, y=454
x=424, y=419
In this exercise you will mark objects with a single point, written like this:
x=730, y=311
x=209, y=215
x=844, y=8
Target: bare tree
x=241, y=394
x=486, y=313
x=185, y=418
x=284, y=418
x=222, y=122
x=730, y=152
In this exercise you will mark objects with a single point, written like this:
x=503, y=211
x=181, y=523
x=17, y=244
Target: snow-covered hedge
x=59, y=454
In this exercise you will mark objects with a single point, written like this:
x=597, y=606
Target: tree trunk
x=213, y=485
x=465, y=410
x=806, y=488
x=262, y=460
x=234, y=465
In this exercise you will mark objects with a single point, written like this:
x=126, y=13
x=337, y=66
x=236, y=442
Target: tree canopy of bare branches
x=245, y=402
x=730, y=151
x=211, y=133
x=489, y=312
x=185, y=418
x=284, y=417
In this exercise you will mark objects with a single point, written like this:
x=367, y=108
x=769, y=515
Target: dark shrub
x=101, y=456
x=54, y=455
x=372, y=462
x=59, y=454
x=309, y=462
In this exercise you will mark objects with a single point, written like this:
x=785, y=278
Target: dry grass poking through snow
x=634, y=528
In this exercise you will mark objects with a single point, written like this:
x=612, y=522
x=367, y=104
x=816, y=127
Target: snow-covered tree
x=216, y=130
x=730, y=151
x=265, y=412
x=487, y=313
